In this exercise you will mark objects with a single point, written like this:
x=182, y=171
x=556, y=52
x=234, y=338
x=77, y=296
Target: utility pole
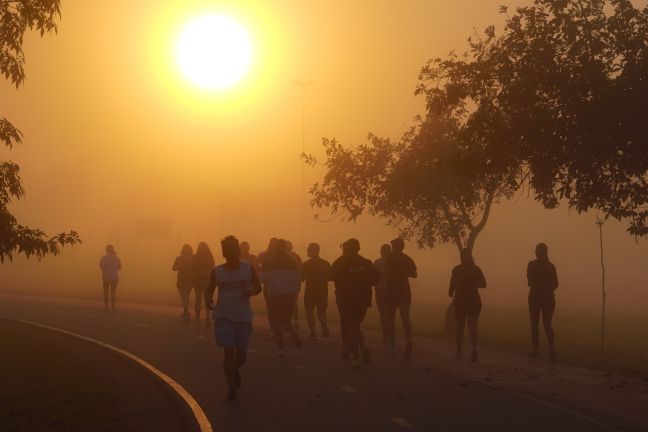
x=302, y=84
x=599, y=223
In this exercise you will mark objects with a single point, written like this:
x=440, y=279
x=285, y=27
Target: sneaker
x=237, y=380
x=355, y=364
x=325, y=330
x=231, y=395
x=408, y=350
x=366, y=355
x=474, y=356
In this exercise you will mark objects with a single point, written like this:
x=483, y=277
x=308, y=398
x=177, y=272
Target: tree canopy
x=16, y=18
x=556, y=103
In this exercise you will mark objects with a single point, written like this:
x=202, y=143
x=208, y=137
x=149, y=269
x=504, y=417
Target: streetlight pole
x=600, y=223
x=303, y=84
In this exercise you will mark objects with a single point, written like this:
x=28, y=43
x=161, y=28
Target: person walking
x=202, y=267
x=379, y=289
x=543, y=281
x=236, y=281
x=263, y=261
x=316, y=273
x=281, y=275
x=110, y=265
x=353, y=276
x=465, y=282
x=249, y=257
x=298, y=260
x=183, y=265
x=398, y=294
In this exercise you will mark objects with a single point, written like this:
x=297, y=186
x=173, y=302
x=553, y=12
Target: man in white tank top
x=237, y=281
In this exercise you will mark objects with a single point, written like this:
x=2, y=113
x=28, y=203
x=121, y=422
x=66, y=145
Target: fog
x=112, y=136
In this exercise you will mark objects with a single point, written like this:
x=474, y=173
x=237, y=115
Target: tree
x=17, y=17
x=571, y=79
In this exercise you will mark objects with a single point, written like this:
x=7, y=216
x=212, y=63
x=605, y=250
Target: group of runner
x=278, y=273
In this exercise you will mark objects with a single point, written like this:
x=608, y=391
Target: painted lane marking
x=144, y=325
x=402, y=422
x=348, y=389
x=198, y=413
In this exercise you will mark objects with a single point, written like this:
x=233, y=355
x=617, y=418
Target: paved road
x=310, y=389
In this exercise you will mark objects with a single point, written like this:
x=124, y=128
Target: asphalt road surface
x=311, y=389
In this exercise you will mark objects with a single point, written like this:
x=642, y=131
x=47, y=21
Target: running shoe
x=325, y=330
x=366, y=355
x=474, y=356
x=408, y=350
x=231, y=395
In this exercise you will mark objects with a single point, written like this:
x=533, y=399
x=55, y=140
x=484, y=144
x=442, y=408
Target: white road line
x=348, y=389
x=198, y=413
x=402, y=422
x=144, y=325
x=93, y=316
x=198, y=336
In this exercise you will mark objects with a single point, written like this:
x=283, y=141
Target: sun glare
x=214, y=52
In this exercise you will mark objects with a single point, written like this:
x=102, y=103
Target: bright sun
x=214, y=52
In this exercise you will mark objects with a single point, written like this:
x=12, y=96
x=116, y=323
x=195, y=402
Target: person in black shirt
x=354, y=276
x=379, y=289
x=399, y=268
x=316, y=273
x=543, y=281
x=466, y=279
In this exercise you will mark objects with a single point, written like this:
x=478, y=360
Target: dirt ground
x=53, y=383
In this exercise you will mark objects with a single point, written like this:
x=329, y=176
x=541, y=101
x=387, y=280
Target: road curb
x=188, y=406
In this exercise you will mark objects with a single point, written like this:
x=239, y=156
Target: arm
x=176, y=265
x=413, y=271
x=453, y=284
x=481, y=280
x=529, y=275
x=554, y=275
x=118, y=264
x=302, y=272
x=256, y=282
x=209, y=294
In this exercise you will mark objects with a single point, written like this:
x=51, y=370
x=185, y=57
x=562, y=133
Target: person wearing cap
x=543, y=281
x=353, y=276
x=398, y=295
x=110, y=265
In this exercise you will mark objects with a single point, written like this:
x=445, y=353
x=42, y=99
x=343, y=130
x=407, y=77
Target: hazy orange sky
x=114, y=133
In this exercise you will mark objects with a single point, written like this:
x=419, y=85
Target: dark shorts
x=232, y=334
x=318, y=300
x=352, y=311
x=469, y=306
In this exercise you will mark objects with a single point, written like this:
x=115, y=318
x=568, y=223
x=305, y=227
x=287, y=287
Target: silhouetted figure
x=263, y=260
x=381, y=266
x=203, y=266
x=354, y=276
x=247, y=256
x=298, y=259
x=110, y=265
x=316, y=273
x=466, y=280
x=281, y=275
x=543, y=281
x=237, y=281
x=398, y=294
x=183, y=265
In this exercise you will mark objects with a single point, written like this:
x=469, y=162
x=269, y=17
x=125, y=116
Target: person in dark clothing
x=354, y=276
x=379, y=289
x=316, y=273
x=543, y=281
x=466, y=280
x=298, y=260
x=203, y=265
x=263, y=260
x=281, y=275
x=110, y=265
x=183, y=265
x=398, y=295
x=249, y=257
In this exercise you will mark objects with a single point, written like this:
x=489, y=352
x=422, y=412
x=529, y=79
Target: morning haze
x=112, y=136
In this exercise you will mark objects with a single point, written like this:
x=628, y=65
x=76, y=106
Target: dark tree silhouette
x=556, y=103
x=17, y=17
